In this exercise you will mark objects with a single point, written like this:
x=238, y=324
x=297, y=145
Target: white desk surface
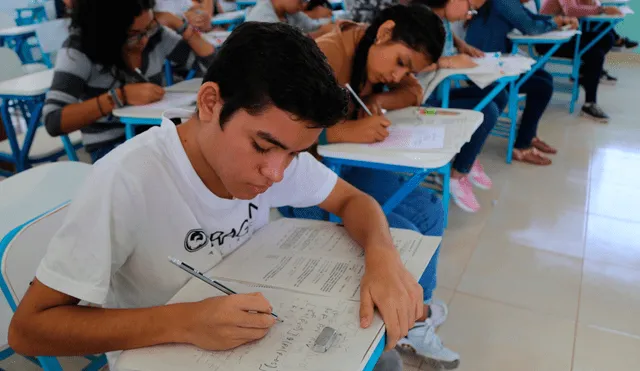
x=28, y=85
x=188, y=86
x=553, y=35
x=229, y=16
x=603, y=17
x=140, y=112
x=26, y=195
x=468, y=122
x=18, y=30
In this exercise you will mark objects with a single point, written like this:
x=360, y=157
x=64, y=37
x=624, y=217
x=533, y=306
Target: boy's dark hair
x=104, y=25
x=416, y=26
x=261, y=64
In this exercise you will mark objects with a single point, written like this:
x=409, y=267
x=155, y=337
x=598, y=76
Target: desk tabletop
x=553, y=36
x=30, y=85
x=19, y=30
x=604, y=18
x=153, y=113
x=228, y=16
x=459, y=131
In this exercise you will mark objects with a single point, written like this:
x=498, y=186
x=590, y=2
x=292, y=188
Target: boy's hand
x=224, y=322
x=388, y=285
x=471, y=51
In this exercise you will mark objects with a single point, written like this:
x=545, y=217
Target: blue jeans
x=420, y=211
x=467, y=98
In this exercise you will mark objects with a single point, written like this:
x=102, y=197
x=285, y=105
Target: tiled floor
x=547, y=276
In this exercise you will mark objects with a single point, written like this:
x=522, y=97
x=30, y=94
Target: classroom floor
x=547, y=276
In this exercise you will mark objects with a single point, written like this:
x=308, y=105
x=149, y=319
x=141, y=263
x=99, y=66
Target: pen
x=364, y=106
x=140, y=75
x=197, y=274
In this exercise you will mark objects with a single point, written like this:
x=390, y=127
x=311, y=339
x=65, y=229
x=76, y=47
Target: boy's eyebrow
x=271, y=139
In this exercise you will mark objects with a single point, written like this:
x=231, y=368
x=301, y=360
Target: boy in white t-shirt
x=197, y=191
x=197, y=13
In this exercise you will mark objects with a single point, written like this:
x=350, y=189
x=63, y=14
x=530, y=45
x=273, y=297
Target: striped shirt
x=77, y=78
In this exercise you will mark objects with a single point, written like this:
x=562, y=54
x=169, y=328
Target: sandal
x=541, y=146
x=531, y=155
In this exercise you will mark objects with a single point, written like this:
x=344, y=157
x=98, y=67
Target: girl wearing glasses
x=113, y=57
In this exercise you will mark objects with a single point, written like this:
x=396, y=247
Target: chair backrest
x=23, y=249
x=7, y=20
x=11, y=64
x=52, y=34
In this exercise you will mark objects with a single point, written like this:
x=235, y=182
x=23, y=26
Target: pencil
x=197, y=274
x=364, y=106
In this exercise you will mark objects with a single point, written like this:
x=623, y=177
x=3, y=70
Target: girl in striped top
x=96, y=68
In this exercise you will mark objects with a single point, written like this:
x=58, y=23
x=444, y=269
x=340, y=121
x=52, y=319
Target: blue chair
x=22, y=249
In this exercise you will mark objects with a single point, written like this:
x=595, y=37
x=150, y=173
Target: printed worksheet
x=321, y=259
x=287, y=346
x=413, y=138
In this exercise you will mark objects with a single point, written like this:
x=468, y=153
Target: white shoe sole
x=478, y=185
x=599, y=120
x=405, y=346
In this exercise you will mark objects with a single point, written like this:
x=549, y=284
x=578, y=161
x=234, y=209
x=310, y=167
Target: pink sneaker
x=479, y=178
x=462, y=194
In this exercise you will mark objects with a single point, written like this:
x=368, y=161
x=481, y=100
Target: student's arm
x=386, y=283
x=190, y=39
x=64, y=113
x=520, y=18
x=465, y=48
x=406, y=93
x=98, y=236
x=326, y=28
x=573, y=8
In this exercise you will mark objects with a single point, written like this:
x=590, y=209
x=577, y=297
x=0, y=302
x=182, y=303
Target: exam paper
x=172, y=100
x=415, y=138
x=315, y=258
x=287, y=346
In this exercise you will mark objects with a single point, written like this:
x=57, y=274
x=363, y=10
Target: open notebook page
x=315, y=257
x=287, y=346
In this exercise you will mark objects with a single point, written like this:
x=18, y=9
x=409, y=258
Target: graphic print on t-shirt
x=197, y=239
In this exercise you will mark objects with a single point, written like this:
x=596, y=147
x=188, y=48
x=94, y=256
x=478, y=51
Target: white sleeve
x=172, y=6
x=96, y=238
x=307, y=182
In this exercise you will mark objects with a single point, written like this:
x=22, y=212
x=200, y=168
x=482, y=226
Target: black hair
x=416, y=26
x=103, y=27
x=433, y=4
x=312, y=4
x=261, y=64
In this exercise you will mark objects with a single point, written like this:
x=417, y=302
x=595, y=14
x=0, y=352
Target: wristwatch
x=183, y=28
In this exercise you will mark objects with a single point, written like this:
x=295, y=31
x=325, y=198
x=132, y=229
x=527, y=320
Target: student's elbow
x=53, y=123
x=18, y=338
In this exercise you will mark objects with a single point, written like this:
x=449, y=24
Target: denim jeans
x=420, y=211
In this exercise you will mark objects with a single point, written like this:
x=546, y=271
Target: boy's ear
x=209, y=102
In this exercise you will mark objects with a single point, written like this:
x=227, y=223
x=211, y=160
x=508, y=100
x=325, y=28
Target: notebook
x=310, y=272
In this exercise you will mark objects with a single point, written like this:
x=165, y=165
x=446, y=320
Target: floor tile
x=496, y=337
x=610, y=297
x=546, y=224
x=613, y=241
x=614, y=201
x=598, y=350
x=529, y=278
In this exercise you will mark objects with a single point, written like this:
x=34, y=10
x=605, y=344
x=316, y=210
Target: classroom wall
x=631, y=26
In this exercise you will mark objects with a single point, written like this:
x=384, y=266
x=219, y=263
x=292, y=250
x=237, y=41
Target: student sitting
x=318, y=9
x=488, y=31
x=288, y=11
x=593, y=60
x=401, y=41
x=97, y=72
x=264, y=104
x=197, y=13
x=465, y=170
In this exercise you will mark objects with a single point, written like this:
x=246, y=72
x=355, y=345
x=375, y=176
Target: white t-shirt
x=144, y=202
x=173, y=6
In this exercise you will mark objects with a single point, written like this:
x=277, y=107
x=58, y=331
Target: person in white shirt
x=290, y=12
x=197, y=13
x=197, y=191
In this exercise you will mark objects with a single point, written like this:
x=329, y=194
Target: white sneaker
x=439, y=312
x=423, y=341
